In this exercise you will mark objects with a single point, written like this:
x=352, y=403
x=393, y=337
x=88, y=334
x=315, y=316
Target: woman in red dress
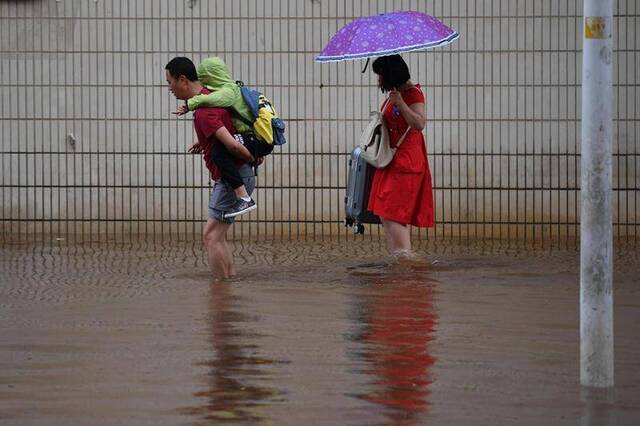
x=401, y=193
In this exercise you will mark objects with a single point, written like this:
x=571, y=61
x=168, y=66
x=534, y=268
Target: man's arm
x=233, y=146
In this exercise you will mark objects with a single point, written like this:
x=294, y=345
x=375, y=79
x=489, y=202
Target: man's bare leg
x=214, y=237
x=231, y=265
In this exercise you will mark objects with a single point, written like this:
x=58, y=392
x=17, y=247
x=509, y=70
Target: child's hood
x=213, y=73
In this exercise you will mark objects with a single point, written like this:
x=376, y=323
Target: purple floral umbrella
x=387, y=34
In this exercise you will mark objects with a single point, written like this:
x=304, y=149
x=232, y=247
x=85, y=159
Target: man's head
x=181, y=74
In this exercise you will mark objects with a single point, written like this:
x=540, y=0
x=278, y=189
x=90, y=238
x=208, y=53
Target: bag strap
x=402, y=138
x=237, y=114
x=240, y=117
x=384, y=105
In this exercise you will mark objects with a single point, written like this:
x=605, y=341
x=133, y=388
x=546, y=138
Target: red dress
x=402, y=191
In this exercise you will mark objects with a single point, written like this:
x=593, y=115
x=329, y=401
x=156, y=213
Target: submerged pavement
x=333, y=332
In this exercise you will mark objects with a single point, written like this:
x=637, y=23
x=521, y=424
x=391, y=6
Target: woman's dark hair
x=393, y=70
x=182, y=66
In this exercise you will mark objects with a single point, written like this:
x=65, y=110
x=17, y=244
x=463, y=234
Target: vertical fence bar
x=636, y=123
x=20, y=120
x=629, y=88
x=35, y=119
x=23, y=109
x=6, y=143
x=567, y=83
x=63, y=112
x=576, y=148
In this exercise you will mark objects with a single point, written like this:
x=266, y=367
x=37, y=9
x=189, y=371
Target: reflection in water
x=232, y=393
x=114, y=303
x=398, y=321
x=597, y=406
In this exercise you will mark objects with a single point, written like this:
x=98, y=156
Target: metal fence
x=91, y=151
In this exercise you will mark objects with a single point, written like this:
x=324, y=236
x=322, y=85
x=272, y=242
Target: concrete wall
x=89, y=146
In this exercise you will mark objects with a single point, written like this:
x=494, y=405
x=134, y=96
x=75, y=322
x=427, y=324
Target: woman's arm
x=414, y=114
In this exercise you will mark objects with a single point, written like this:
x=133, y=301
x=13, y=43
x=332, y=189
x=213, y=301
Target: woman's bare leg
x=398, y=236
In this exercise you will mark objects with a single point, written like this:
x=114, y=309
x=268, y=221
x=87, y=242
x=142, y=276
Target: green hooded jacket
x=225, y=93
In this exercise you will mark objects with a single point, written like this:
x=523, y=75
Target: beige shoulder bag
x=376, y=143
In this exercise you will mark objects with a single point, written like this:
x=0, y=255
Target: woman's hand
x=395, y=98
x=414, y=114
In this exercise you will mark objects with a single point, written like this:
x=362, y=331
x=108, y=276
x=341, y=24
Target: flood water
x=327, y=333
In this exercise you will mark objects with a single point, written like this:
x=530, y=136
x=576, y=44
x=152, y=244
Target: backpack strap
x=239, y=116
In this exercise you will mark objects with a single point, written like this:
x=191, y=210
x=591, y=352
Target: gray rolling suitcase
x=358, y=188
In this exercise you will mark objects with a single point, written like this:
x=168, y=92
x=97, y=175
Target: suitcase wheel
x=348, y=222
x=359, y=229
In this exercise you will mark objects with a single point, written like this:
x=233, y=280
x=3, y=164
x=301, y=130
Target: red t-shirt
x=207, y=121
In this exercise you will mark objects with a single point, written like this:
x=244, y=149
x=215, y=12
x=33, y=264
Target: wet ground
x=327, y=333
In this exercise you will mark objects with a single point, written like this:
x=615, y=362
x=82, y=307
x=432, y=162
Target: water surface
x=333, y=332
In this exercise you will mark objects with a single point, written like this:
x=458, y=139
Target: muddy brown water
x=334, y=333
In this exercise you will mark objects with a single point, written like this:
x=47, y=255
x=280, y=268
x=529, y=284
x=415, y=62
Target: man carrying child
x=214, y=75
x=215, y=130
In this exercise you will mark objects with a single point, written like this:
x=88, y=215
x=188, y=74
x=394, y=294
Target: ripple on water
x=42, y=273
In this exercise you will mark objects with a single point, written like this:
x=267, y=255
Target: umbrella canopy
x=387, y=34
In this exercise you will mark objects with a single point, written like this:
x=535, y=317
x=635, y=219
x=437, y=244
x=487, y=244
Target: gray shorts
x=223, y=196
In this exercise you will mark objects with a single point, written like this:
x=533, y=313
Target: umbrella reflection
x=398, y=321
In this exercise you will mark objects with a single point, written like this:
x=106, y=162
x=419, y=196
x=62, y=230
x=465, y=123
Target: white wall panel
x=503, y=108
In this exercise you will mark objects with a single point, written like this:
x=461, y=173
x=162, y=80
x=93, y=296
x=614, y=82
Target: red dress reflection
x=400, y=323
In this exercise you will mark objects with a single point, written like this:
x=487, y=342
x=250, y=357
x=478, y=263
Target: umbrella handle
x=366, y=65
